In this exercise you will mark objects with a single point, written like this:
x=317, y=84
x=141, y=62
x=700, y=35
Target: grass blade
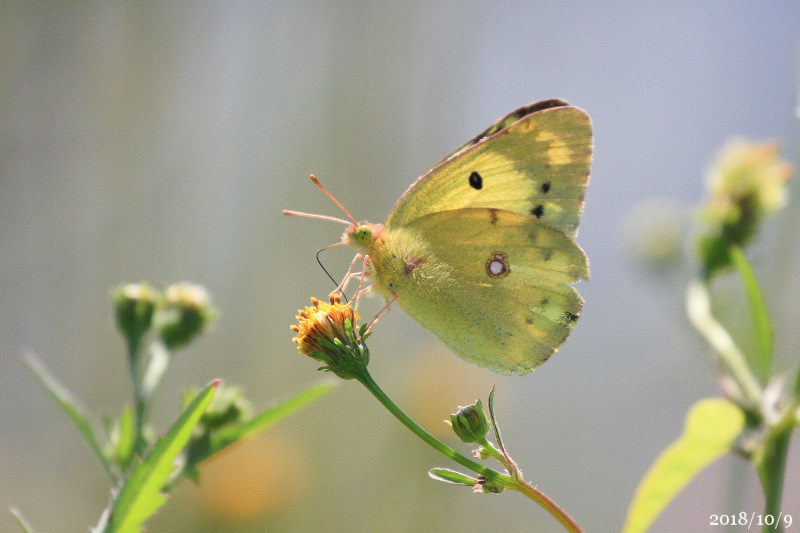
x=69, y=405
x=227, y=436
x=23, y=524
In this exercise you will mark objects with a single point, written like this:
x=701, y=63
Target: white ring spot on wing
x=497, y=266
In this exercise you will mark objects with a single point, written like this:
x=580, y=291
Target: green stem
x=139, y=397
x=511, y=482
x=490, y=450
x=771, y=465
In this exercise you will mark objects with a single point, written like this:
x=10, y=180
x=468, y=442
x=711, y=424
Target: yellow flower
x=322, y=321
x=327, y=332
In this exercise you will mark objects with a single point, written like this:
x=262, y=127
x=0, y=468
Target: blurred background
x=160, y=141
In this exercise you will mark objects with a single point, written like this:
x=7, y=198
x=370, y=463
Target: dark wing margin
x=506, y=121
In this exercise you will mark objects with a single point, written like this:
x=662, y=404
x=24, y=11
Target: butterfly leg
x=363, y=274
x=350, y=275
x=386, y=308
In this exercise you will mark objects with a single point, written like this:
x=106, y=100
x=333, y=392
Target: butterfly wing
x=493, y=285
x=534, y=161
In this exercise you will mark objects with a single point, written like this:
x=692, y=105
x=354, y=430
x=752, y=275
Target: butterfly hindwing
x=498, y=294
x=534, y=161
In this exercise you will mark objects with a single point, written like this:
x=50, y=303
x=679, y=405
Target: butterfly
x=480, y=249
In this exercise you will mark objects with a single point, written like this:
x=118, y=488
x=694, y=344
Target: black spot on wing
x=568, y=318
x=545, y=187
x=538, y=211
x=475, y=181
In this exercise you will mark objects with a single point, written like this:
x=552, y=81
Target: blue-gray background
x=159, y=142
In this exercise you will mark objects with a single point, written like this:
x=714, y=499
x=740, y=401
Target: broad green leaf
x=711, y=429
x=141, y=495
x=21, y=522
x=451, y=476
x=762, y=326
x=69, y=405
x=228, y=435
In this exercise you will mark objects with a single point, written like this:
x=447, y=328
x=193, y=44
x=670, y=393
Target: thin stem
x=771, y=460
x=139, y=396
x=514, y=483
x=552, y=507
x=490, y=450
x=771, y=469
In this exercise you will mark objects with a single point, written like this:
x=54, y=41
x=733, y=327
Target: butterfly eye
x=363, y=235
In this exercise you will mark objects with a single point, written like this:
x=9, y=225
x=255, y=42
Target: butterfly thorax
x=401, y=264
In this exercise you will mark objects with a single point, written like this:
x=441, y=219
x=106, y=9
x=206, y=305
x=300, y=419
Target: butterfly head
x=363, y=236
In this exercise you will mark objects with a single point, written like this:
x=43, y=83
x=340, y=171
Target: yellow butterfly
x=480, y=249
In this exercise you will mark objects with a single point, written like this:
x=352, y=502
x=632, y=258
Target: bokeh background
x=160, y=141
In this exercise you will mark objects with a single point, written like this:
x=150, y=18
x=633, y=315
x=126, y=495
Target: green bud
x=487, y=486
x=229, y=406
x=747, y=184
x=186, y=313
x=134, y=305
x=470, y=423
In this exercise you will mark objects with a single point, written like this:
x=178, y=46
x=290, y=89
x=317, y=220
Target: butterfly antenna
x=346, y=212
x=313, y=215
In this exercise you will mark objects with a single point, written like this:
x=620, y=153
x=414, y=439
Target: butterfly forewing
x=537, y=165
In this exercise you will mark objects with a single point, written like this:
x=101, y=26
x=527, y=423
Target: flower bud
x=747, y=184
x=134, y=305
x=186, y=313
x=470, y=423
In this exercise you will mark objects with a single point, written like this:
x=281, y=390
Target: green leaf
x=762, y=326
x=227, y=435
x=141, y=494
x=451, y=476
x=711, y=429
x=23, y=524
x=123, y=438
x=69, y=405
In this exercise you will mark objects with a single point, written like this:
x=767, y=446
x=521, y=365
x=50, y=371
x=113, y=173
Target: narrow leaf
x=712, y=426
x=494, y=420
x=23, y=524
x=141, y=495
x=451, y=476
x=229, y=435
x=123, y=438
x=69, y=405
x=762, y=326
